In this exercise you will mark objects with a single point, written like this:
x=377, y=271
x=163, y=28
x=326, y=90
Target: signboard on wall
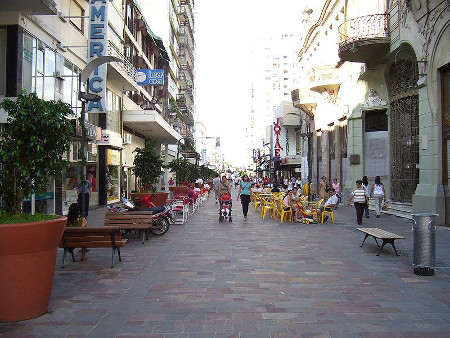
x=277, y=146
x=97, y=47
x=113, y=157
x=149, y=77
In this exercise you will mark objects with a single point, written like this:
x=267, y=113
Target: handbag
x=384, y=205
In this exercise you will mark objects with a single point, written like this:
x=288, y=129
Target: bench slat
x=380, y=233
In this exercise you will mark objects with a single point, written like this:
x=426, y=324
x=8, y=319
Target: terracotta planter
x=27, y=267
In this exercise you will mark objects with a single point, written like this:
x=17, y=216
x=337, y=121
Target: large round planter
x=27, y=267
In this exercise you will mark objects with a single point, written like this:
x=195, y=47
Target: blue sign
x=149, y=77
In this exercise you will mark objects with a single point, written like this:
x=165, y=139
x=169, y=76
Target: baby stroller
x=225, y=208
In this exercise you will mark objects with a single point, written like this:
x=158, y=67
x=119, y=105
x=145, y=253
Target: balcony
x=32, y=7
x=188, y=117
x=186, y=133
x=324, y=79
x=181, y=101
x=186, y=67
x=150, y=124
x=364, y=39
x=305, y=100
x=121, y=73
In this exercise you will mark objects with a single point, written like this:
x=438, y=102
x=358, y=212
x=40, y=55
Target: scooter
x=161, y=219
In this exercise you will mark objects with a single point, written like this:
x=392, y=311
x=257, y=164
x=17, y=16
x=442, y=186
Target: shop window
x=375, y=120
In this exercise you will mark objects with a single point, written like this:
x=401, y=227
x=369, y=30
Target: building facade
x=45, y=45
x=383, y=97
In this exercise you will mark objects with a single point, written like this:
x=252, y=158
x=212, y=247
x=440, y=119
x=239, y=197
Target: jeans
x=84, y=208
x=245, y=201
x=366, y=210
x=359, y=207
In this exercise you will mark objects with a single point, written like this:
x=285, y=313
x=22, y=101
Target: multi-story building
x=273, y=76
x=383, y=105
x=44, y=48
x=176, y=25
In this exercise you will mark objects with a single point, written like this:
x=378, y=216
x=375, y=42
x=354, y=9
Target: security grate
x=404, y=124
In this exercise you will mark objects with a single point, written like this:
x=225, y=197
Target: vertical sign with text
x=277, y=147
x=98, y=44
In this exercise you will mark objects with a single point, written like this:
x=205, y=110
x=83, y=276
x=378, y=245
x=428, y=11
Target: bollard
x=424, y=243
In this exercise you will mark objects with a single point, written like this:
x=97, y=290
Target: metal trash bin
x=424, y=243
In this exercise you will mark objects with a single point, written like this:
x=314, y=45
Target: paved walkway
x=252, y=278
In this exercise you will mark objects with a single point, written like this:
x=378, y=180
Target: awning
x=158, y=41
x=150, y=124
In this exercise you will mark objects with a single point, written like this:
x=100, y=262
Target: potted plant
x=32, y=145
x=148, y=167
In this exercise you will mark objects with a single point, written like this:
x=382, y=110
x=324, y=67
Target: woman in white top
x=379, y=195
x=360, y=197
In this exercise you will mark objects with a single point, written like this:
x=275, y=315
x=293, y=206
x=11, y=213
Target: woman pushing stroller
x=225, y=201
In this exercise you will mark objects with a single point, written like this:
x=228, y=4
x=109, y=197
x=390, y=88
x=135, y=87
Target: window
x=76, y=12
x=375, y=120
x=113, y=111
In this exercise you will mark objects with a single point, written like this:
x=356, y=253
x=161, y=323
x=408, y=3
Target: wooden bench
x=140, y=221
x=385, y=236
x=92, y=237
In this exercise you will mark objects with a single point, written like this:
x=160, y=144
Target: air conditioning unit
x=127, y=139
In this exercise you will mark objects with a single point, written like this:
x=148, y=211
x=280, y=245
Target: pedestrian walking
x=365, y=185
x=84, y=193
x=216, y=181
x=359, y=197
x=323, y=188
x=244, y=194
x=337, y=188
x=379, y=195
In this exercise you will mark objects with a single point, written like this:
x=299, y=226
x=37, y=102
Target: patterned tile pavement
x=253, y=278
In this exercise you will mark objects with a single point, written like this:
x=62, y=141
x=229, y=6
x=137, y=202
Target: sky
x=224, y=31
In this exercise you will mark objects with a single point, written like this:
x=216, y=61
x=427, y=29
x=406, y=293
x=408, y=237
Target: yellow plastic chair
x=268, y=206
x=256, y=202
x=316, y=204
x=328, y=211
x=285, y=214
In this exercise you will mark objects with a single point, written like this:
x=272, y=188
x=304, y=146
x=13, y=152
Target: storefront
x=109, y=170
x=68, y=188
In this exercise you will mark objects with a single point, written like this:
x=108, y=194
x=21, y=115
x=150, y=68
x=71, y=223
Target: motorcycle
x=161, y=219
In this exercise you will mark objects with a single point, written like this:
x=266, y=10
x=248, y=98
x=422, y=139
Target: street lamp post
x=85, y=97
x=308, y=135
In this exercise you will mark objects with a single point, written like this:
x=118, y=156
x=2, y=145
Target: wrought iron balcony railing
x=364, y=27
x=126, y=65
x=364, y=38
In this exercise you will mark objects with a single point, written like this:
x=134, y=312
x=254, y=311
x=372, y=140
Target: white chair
x=180, y=208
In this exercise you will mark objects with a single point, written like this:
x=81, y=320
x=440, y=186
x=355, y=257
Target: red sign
x=277, y=130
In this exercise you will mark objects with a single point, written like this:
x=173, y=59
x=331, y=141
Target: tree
x=148, y=164
x=207, y=173
x=184, y=170
x=32, y=147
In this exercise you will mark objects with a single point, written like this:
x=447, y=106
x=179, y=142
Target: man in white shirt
x=331, y=202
